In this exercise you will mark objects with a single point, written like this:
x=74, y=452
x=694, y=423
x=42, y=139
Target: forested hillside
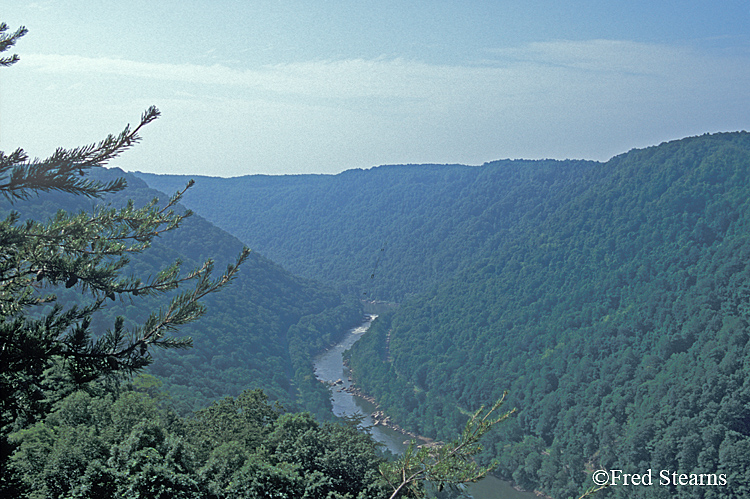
x=259, y=333
x=386, y=233
x=611, y=299
x=616, y=315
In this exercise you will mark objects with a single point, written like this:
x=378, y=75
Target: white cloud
x=561, y=67
x=558, y=99
x=343, y=78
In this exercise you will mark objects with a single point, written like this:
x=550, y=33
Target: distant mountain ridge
x=385, y=233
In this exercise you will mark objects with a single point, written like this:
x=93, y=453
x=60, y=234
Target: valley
x=610, y=299
x=376, y=250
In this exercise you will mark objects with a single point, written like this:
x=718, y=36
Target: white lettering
x=664, y=477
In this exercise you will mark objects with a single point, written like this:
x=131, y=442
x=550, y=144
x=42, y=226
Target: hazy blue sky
x=324, y=86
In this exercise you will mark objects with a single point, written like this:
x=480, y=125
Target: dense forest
x=611, y=299
x=386, y=233
x=260, y=333
x=129, y=444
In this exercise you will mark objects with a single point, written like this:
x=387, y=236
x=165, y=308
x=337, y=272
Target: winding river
x=329, y=368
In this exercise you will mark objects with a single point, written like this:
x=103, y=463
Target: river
x=329, y=368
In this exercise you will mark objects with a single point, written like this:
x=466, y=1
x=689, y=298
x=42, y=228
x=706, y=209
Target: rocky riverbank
x=379, y=418
x=348, y=400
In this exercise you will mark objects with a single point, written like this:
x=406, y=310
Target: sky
x=293, y=87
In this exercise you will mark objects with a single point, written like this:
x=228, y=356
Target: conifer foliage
x=7, y=40
x=49, y=348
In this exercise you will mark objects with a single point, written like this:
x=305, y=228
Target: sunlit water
x=329, y=368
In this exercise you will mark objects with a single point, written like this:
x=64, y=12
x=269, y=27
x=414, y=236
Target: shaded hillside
x=616, y=315
x=385, y=233
x=258, y=333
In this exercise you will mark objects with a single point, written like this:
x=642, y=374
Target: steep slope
x=617, y=316
x=258, y=333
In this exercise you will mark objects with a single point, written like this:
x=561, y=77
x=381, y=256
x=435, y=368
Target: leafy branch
x=445, y=464
x=593, y=490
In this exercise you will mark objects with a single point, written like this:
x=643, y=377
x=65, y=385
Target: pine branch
x=9, y=40
x=113, y=353
x=44, y=352
x=593, y=490
x=65, y=170
x=87, y=250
